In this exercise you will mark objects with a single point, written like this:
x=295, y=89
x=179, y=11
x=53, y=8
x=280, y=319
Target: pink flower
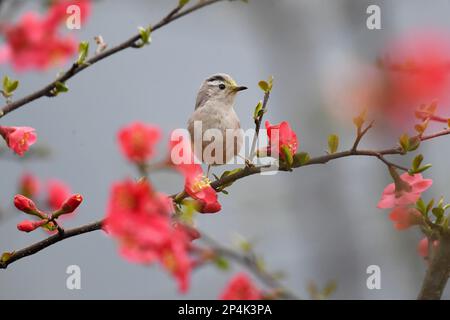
x=404, y=218
x=140, y=219
x=33, y=43
x=19, y=139
x=196, y=185
x=241, y=287
x=392, y=198
x=281, y=136
x=57, y=193
x=137, y=141
x=29, y=185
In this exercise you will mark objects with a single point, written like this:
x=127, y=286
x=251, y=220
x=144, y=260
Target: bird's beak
x=239, y=88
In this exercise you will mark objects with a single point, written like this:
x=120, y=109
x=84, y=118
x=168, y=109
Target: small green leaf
x=333, y=143
x=264, y=86
x=429, y=206
x=420, y=205
x=258, y=109
x=6, y=256
x=417, y=161
x=288, y=157
x=329, y=289
x=423, y=168
x=12, y=86
x=404, y=142
x=221, y=263
x=302, y=158
x=5, y=82
x=60, y=87
x=414, y=143
x=224, y=191
x=83, y=51
x=438, y=212
x=182, y=3
x=145, y=34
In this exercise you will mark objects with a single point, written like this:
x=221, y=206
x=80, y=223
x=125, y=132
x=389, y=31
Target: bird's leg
x=207, y=172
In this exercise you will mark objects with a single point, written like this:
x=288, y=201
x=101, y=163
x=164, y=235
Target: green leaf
x=429, y=206
x=224, y=191
x=12, y=86
x=60, y=87
x=83, y=51
x=258, y=110
x=222, y=263
x=145, y=34
x=329, y=289
x=182, y=3
x=420, y=205
x=302, y=158
x=6, y=256
x=287, y=155
x=404, y=142
x=5, y=82
x=264, y=86
x=333, y=143
x=417, y=161
x=414, y=143
x=423, y=168
x=438, y=212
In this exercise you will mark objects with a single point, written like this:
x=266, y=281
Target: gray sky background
x=319, y=223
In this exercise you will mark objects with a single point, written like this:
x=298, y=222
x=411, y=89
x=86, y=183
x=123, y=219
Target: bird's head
x=220, y=88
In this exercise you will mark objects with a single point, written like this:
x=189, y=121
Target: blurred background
x=318, y=223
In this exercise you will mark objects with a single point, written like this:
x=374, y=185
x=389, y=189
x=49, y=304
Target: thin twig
x=258, y=122
x=75, y=68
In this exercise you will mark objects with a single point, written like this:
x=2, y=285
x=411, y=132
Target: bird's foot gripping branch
x=151, y=227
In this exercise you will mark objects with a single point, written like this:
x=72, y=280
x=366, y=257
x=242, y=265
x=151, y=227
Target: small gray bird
x=214, y=109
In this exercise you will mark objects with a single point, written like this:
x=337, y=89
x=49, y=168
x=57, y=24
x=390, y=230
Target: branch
x=75, y=69
x=258, y=122
x=38, y=246
x=438, y=270
x=249, y=262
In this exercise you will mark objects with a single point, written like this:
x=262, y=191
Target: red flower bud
x=28, y=226
x=25, y=205
x=71, y=204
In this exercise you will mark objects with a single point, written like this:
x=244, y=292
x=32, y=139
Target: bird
x=213, y=119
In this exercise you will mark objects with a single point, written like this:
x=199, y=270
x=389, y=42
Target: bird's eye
x=221, y=86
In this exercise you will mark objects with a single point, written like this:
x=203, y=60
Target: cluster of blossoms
x=146, y=222
x=401, y=196
x=34, y=42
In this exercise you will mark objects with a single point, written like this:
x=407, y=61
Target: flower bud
x=71, y=204
x=26, y=205
x=28, y=226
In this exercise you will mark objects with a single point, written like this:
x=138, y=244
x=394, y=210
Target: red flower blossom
x=28, y=226
x=241, y=287
x=196, y=184
x=404, y=218
x=281, y=136
x=19, y=139
x=138, y=140
x=57, y=193
x=29, y=185
x=392, y=198
x=33, y=43
x=140, y=219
